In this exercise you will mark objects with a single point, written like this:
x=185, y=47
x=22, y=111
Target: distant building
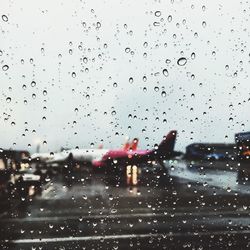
x=204, y=150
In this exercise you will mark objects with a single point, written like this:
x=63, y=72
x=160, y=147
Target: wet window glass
x=124, y=124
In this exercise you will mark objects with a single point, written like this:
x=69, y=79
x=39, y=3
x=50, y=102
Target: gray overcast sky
x=104, y=70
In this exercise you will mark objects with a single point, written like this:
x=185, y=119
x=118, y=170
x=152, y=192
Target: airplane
x=163, y=151
x=101, y=158
x=77, y=155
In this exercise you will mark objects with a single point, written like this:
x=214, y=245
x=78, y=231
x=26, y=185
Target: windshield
x=124, y=124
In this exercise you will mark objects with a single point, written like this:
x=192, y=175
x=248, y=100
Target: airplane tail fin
x=167, y=144
x=134, y=144
x=126, y=145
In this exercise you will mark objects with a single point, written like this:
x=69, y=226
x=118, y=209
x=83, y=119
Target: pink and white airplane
x=101, y=158
x=164, y=150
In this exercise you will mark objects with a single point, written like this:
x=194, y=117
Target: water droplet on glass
x=5, y=18
x=5, y=67
x=182, y=61
x=33, y=84
x=8, y=99
x=165, y=72
x=158, y=13
x=156, y=24
x=127, y=50
x=193, y=56
x=163, y=94
x=168, y=61
x=73, y=74
x=156, y=89
x=98, y=25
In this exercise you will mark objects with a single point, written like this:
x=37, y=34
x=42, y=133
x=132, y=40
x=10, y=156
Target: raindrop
x=163, y=94
x=5, y=67
x=45, y=92
x=193, y=56
x=33, y=84
x=98, y=25
x=156, y=24
x=170, y=18
x=73, y=74
x=8, y=99
x=182, y=61
x=131, y=80
x=168, y=61
x=158, y=13
x=127, y=50
x=114, y=84
x=156, y=89
x=204, y=24
x=85, y=59
x=24, y=87
x=113, y=211
x=165, y=72
x=5, y=18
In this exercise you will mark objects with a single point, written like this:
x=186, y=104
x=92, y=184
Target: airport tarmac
x=200, y=206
